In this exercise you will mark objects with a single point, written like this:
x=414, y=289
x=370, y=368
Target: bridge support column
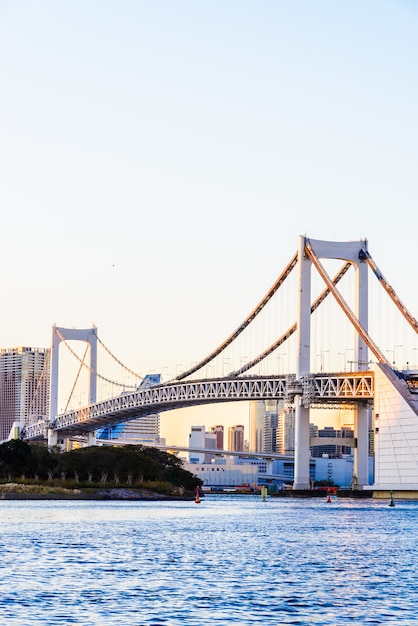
x=361, y=452
x=52, y=438
x=303, y=332
x=269, y=466
x=302, y=450
x=91, y=438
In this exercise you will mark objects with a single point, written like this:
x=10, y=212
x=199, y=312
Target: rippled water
x=228, y=560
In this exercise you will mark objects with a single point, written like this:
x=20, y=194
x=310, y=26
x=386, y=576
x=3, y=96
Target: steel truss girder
x=343, y=386
x=318, y=388
x=36, y=430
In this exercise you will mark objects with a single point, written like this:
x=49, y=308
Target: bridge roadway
x=266, y=456
x=314, y=389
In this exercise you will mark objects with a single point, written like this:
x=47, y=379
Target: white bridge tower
x=353, y=252
x=88, y=335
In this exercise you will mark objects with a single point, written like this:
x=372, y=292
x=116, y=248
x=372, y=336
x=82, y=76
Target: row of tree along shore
x=31, y=470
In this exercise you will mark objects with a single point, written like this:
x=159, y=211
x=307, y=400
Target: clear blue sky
x=159, y=159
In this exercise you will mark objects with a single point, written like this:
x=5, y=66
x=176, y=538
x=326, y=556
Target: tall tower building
x=286, y=431
x=270, y=426
x=219, y=432
x=236, y=438
x=268, y=431
x=24, y=386
x=257, y=412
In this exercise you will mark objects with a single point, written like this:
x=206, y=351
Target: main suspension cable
x=107, y=380
x=260, y=306
x=116, y=359
x=390, y=291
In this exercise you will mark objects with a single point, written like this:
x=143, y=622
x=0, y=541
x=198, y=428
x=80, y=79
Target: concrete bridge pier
x=52, y=438
x=91, y=438
x=361, y=451
x=303, y=332
x=302, y=450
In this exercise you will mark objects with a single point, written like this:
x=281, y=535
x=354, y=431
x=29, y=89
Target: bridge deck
x=336, y=388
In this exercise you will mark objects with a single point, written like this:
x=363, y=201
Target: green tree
x=16, y=459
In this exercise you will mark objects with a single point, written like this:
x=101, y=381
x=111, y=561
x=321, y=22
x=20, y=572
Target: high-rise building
x=219, y=432
x=24, y=386
x=257, y=412
x=286, y=430
x=270, y=433
x=272, y=427
x=236, y=438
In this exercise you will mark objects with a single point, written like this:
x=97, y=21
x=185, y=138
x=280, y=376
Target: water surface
x=229, y=560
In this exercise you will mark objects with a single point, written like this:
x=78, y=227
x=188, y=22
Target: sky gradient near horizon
x=160, y=159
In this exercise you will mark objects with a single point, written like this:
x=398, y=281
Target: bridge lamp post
x=322, y=358
x=394, y=352
x=225, y=361
x=399, y=345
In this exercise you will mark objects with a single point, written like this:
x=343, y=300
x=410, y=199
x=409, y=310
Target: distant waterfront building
x=200, y=439
x=142, y=430
x=232, y=471
x=219, y=432
x=210, y=444
x=197, y=440
x=224, y=472
x=286, y=431
x=332, y=450
x=272, y=427
x=236, y=438
x=24, y=386
x=271, y=422
x=257, y=412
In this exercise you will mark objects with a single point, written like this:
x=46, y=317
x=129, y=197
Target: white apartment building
x=200, y=439
x=224, y=472
x=24, y=386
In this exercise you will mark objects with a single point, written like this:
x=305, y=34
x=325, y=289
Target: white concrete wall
x=396, y=433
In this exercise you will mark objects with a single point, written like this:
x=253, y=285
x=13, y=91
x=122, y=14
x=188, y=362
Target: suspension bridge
x=310, y=315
